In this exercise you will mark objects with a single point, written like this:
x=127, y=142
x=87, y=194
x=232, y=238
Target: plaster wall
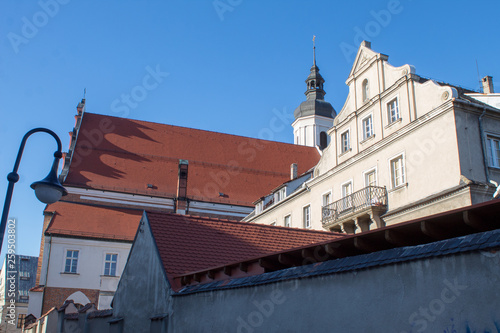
x=143, y=290
x=443, y=294
x=426, y=148
x=90, y=268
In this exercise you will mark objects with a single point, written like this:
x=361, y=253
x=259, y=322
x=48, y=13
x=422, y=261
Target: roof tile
x=136, y=153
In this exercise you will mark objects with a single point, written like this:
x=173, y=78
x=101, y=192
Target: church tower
x=314, y=116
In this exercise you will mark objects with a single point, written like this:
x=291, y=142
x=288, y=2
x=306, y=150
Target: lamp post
x=47, y=190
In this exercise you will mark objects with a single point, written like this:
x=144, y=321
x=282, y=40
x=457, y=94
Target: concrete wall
x=456, y=293
x=143, y=291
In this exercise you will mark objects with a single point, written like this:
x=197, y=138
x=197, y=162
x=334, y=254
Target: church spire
x=315, y=81
x=314, y=116
x=314, y=50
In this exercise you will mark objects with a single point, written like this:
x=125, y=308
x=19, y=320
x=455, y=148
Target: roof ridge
x=203, y=130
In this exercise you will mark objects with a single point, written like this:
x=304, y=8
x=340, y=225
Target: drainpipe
x=483, y=146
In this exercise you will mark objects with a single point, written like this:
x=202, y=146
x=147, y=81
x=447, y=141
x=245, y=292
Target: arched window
x=366, y=90
x=323, y=140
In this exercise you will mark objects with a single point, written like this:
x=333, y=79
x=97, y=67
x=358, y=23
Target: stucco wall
x=143, y=291
x=454, y=293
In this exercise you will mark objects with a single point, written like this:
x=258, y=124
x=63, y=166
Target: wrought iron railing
x=370, y=196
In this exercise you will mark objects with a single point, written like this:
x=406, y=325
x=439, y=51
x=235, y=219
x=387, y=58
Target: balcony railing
x=369, y=197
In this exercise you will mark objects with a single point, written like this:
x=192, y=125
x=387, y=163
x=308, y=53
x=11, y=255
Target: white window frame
x=390, y=118
x=346, y=199
x=345, y=146
x=493, y=152
x=402, y=169
x=367, y=172
x=259, y=207
x=110, y=261
x=365, y=134
x=289, y=220
x=324, y=195
x=306, y=219
x=71, y=258
x=280, y=195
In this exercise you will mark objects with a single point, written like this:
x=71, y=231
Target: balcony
x=357, y=210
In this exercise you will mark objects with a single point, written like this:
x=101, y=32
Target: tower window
x=323, y=140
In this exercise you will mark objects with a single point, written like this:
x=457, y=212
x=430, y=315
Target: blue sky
x=226, y=65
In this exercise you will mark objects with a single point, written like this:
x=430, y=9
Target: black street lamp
x=47, y=190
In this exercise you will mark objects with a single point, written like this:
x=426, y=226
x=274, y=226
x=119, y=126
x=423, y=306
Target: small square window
x=393, y=111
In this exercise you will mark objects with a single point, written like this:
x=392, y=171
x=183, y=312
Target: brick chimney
x=293, y=171
x=181, y=206
x=487, y=85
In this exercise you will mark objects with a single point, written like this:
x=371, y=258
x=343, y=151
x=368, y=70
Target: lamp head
x=49, y=190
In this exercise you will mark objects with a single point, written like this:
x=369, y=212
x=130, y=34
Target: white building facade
x=402, y=147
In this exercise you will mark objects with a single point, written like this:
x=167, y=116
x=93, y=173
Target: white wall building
x=85, y=249
x=402, y=147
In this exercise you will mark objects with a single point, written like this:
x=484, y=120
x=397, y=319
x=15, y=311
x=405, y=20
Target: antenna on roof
x=314, y=50
x=84, y=92
x=479, y=78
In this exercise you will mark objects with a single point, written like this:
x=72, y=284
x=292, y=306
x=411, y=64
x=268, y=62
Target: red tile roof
x=80, y=220
x=190, y=243
x=125, y=155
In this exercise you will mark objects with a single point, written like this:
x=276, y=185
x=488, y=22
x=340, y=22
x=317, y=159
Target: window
x=397, y=171
x=71, y=261
x=494, y=151
x=280, y=195
x=345, y=142
x=24, y=275
x=323, y=140
x=110, y=264
x=371, y=178
x=367, y=127
x=393, y=111
x=288, y=221
x=20, y=320
x=23, y=296
x=327, y=198
x=307, y=216
x=346, y=195
x=259, y=207
x=366, y=91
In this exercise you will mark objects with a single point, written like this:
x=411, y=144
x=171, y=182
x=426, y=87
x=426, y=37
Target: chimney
x=293, y=171
x=181, y=206
x=487, y=85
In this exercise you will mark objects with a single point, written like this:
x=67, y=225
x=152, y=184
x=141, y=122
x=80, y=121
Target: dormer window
x=259, y=207
x=366, y=90
x=280, y=195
